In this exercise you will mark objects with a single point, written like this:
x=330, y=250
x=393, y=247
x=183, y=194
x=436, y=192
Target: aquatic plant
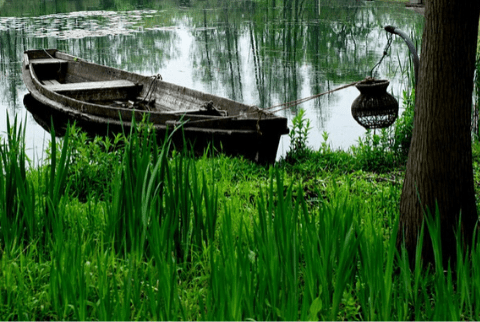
x=298, y=137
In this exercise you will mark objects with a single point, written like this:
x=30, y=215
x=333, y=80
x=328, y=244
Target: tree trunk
x=439, y=168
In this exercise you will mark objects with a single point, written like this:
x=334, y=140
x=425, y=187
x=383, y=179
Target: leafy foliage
x=298, y=137
x=93, y=163
x=377, y=152
x=389, y=149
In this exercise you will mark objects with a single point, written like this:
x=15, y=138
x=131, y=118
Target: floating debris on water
x=81, y=24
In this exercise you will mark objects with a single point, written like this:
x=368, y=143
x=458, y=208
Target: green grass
x=168, y=237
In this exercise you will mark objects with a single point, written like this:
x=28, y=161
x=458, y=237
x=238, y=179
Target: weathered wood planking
x=84, y=92
x=101, y=85
x=50, y=82
x=40, y=61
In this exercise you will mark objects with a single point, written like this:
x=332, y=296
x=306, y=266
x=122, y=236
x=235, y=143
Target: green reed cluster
x=211, y=239
x=298, y=137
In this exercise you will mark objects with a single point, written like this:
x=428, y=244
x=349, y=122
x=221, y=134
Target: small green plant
x=298, y=137
x=404, y=127
x=374, y=152
x=388, y=149
x=93, y=162
x=325, y=147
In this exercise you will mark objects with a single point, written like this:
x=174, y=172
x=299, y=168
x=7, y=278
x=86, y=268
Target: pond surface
x=262, y=52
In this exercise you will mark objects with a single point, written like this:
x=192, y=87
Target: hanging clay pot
x=374, y=108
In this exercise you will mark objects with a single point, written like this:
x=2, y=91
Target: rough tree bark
x=439, y=168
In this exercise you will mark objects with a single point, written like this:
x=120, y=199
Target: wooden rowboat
x=103, y=99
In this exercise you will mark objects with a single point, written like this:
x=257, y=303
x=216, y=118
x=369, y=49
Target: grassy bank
x=128, y=229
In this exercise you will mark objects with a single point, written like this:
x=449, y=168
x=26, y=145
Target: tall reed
x=22, y=221
x=151, y=188
x=17, y=198
x=169, y=245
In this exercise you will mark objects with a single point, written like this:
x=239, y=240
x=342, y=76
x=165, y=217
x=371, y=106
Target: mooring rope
x=150, y=88
x=305, y=99
x=59, y=65
x=290, y=104
x=283, y=106
x=385, y=52
x=46, y=52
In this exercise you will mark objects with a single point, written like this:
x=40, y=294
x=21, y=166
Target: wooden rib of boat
x=98, y=97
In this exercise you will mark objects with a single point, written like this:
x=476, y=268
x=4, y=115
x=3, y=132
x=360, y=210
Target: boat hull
x=59, y=87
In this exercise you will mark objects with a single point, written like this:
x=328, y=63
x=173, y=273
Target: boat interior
x=102, y=85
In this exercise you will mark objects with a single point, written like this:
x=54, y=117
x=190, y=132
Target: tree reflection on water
x=260, y=52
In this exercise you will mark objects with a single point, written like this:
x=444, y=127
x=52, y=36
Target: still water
x=262, y=52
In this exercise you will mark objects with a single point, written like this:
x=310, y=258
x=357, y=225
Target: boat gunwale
x=88, y=107
x=124, y=115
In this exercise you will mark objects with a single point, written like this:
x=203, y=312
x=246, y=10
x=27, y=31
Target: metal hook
x=411, y=47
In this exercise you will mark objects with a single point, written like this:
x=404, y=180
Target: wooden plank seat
x=98, y=91
x=85, y=86
x=42, y=61
x=50, y=82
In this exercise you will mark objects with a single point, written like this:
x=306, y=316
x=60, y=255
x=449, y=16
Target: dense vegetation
x=128, y=229
x=117, y=228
